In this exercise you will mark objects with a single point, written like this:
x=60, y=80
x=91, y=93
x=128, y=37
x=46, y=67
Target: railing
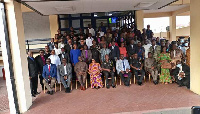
x=36, y=42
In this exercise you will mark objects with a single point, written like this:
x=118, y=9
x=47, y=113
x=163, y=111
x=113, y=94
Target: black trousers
x=128, y=78
x=139, y=78
x=183, y=82
x=34, y=84
x=112, y=74
x=41, y=81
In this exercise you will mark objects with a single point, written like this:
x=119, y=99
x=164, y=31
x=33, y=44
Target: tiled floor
x=133, y=99
x=4, y=105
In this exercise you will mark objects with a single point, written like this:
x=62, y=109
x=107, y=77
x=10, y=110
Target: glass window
x=86, y=14
x=76, y=23
x=182, y=21
x=63, y=16
x=75, y=15
x=86, y=22
x=64, y=23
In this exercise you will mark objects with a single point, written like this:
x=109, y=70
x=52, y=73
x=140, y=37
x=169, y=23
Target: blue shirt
x=74, y=54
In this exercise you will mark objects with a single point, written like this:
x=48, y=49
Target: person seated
x=151, y=67
x=137, y=66
x=108, y=69
x=65, y=70
x=95, y=75
x=182, y=74
x=86, y=55
x=49, y=74
x=81, y=69
x=123, y=69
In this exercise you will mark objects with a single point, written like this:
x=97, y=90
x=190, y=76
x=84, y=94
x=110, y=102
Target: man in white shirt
x=57, y=50
x=91, y=30
x=55, y=60
x=146, y=47
x=89, y=41
x=123, y=69
x=61, y=44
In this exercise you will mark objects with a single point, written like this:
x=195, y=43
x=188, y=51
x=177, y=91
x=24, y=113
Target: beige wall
x=53, y=20
x=1, y=63
x=140, y=19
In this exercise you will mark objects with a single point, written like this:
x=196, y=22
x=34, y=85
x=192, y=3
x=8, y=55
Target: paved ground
x=147, y=99
x=4, y=105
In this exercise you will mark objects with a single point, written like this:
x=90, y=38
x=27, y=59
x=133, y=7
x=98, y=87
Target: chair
x=110, y=79
x=77, y=83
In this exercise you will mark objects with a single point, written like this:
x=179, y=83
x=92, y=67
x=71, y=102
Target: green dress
x=165, y=73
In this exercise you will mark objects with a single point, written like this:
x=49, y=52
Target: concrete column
x=172, y=20
x=18, y=52
x=194, y=51
x=53, y=20
x=140, y=19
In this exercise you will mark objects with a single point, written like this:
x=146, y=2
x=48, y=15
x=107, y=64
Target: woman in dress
x=164, y=59
x=123, y=50
x=95, y=75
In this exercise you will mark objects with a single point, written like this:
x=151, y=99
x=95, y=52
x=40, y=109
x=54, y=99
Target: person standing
x=81, y=69
x=104, y=51
x=47, y=52
x=41, y=61
x=122, y=50
x=95, y=75
x=33, y=74
x=86, y=55
x=146, y=48
x=51, y=44
x=95, y=51
x=49, y=74
x=155, y=50
x=74, y=54
x=108, y=68
x=89, y=41
x=55, y=60
x=65, y=70
x=64, y=55
x=114, y=54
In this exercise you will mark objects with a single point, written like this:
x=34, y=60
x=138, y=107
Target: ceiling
x=89, y=6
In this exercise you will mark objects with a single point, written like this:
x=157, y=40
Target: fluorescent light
x=144, y=4
x=95, y=15
x=110, y=14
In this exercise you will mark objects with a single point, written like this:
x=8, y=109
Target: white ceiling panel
x=90, y=6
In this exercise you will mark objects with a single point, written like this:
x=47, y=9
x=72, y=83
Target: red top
x=123, y=51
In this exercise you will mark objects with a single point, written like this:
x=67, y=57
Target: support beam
x=194, y=51
x=140, y=19
x=18, y=52
x=172, y=20
x=53, y=20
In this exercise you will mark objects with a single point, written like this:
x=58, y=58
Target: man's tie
x=86, y=54
x=123, y=66
x=49, y=68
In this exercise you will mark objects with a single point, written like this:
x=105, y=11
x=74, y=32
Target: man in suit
x=182, y=74
x=137, y=66
x=155, y=50
x=49, y=74
x=114, y=54
x=151, y=67
x=68, y=46
x=51, y=44
x=47, y=52
x=95, y=51
x=131, y=49
x=64, y=55
x=33, y=74
x=65, y=70
x=86, y=55
x=41, y=61
x=81, y=69
x=123, y=69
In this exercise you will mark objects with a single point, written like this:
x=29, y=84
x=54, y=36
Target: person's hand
x=136, y=68
x=80, y=73
x=122, y=72
x=127, y=70
x=182, y=74
x=108, y=70
x=152, y=67
x=29, y=77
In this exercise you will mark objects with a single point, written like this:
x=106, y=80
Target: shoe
x=51, y=92
x=33, y=95
x=113, y=86
x=67, y=90
x=37, y=93
x=107, y=86
x=48, y=92
x=140, y=83
x=179, y=85
x=83, y=88
x=155, y=82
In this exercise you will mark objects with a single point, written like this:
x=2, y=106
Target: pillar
x=53, y=20
x=139, y=19
x=19, y=56
x=172, y=20
x=194, y=51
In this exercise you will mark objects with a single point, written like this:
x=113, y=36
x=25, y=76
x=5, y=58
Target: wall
x=36, y=26
x=53, y=19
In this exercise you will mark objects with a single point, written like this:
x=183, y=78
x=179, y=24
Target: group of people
x=105, y=54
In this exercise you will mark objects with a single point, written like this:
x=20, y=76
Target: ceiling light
x=110, y=14
x=95, y=15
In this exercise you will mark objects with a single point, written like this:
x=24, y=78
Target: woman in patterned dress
x=95, y=75
x=164, y=58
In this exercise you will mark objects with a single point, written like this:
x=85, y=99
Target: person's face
x=30, y=54
x=102, y=39
x=94, y=42
x=75, y=46
x=139, y=44
x=132, y=42
x=173, y=46
x=64, y=61
x=164, y=49
x=79, y=58
x=135, y=56
x=62, y=40
x=122, y=44
x=46, y=48
x=101, y=23
x=122, y=57
x=53, y=52
x=52, y=39
x=149, y=55
x=75, y=38
x=58, y=31
x=93, y=61
x=48, y=61
x=41, y=53
x=106, y=57
x=68, y=37
x=157, y=39
x=148, y=26
x=162, y=43
x=104, y=45
x=82, y=42
x=90, y=35
x=115, y=34
x=62, y=49
x=153, y=43
x=56, y=45
x=69, y=41
x=146, y=42
x=56, y=36
x=113, y=43
x=85, y=47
